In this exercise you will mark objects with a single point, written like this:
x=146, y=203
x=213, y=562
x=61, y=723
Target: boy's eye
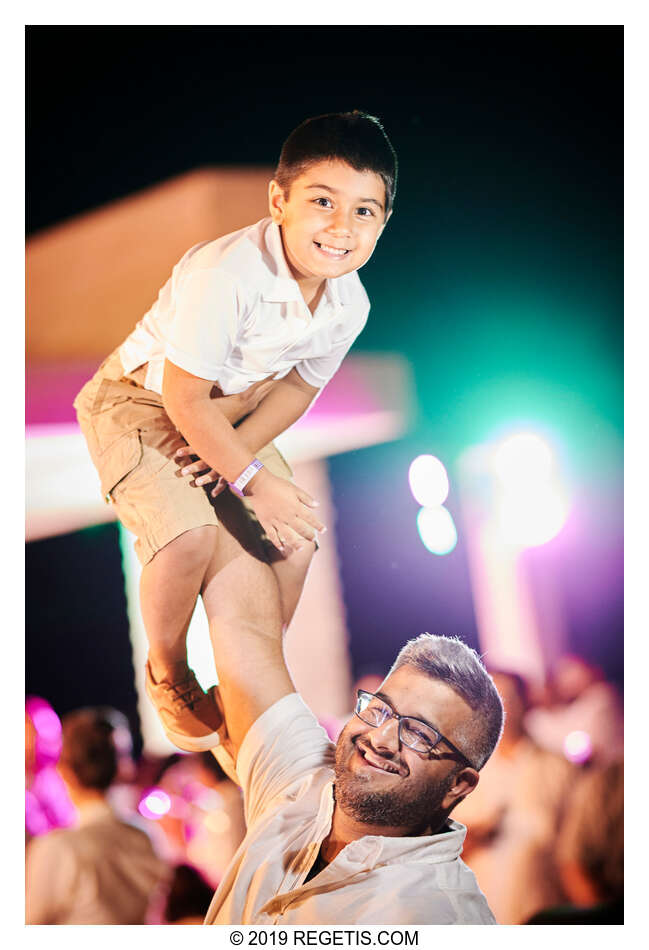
x=323, y=202
x=365, y=212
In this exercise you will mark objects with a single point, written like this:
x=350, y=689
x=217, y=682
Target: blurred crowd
x=112, y=840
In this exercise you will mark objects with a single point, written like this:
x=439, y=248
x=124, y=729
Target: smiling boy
x=243, y=336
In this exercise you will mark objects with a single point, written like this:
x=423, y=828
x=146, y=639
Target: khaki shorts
x=132, y=442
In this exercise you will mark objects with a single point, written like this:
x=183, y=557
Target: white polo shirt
x=232, y=313
x=285, y=765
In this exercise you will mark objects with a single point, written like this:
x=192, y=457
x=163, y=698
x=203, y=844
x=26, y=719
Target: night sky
x=499, y=277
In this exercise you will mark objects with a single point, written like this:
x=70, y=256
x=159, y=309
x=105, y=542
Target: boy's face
x=331, y=220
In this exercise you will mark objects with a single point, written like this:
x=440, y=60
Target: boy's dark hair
x=354, y=137
x=88, y=748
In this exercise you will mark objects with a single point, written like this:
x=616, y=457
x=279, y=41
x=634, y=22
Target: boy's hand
x=281, y=507
x=283, y=510
x=194, y=468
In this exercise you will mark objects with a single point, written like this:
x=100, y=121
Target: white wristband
x=248, y=473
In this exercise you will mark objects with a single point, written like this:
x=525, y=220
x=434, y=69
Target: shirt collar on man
x=284, y=286
x=373, y=850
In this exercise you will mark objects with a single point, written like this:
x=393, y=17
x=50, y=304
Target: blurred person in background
x=591, y=851
x=102, y=870
x=204, y=825
x=513, y=815
x=584, y=708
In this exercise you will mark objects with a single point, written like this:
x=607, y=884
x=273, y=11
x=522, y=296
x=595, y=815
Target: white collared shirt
x=285, y=765
x=232, y=313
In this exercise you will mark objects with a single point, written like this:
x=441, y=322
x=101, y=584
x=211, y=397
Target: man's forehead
x=414, y=693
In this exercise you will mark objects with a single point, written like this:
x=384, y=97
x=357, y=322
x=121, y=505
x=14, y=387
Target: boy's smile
x=330, y=222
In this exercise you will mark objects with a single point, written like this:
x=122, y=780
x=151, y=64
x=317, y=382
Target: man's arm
x=282, y=508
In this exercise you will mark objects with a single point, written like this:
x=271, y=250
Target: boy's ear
x=276, y=201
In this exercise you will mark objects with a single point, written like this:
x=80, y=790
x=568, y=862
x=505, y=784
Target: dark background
x=499, y=279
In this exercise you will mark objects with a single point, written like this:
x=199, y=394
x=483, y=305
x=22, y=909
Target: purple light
x=154, y=804
x=577, y=747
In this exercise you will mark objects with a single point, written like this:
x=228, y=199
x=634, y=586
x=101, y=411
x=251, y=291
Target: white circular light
x=530, y=518
x=428, y=481
x=523, y=458
x=437, y=529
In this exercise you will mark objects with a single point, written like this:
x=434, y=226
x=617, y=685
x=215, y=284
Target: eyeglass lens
x=413, y=733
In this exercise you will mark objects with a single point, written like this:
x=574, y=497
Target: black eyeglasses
x=414, y=733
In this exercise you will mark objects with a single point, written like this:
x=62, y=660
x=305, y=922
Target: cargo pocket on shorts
x=119, y=460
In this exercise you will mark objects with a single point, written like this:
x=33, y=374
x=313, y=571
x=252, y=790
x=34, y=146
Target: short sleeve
x=283, y=746
x=207, y=313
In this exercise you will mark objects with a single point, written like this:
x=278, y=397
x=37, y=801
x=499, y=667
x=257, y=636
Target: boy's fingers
x=184, y=450
x=275, y=538
x=218, y=488
x=195, y=467
x=312, y=520
x=293, y=538
x=306, y=498
x=211, y=476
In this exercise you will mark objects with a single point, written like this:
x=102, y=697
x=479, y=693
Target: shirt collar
x=284, y=286
x=373, y=850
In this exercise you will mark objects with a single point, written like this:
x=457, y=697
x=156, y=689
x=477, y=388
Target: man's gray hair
x=450, y=660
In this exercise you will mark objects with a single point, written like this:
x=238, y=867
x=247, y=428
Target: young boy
x=243, y=336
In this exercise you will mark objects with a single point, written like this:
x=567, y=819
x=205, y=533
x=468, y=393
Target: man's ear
x=276, y=201
x=463, y=784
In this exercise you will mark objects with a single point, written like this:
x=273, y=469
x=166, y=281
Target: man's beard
x=411, y=804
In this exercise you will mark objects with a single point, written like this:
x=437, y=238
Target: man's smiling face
x=380, y=781
x=331, y=219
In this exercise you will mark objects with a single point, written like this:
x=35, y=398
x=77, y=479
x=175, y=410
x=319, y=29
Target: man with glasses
x=359, y=832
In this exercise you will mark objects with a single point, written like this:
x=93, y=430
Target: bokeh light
x=428, y=481
x=437, y=529
x=523, y=457
x=154, y=804
x=47, y=730
x=577, y=746
x=530, y=504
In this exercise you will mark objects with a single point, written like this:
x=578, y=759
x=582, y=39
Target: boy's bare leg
x=169, y=586
x=290, y=573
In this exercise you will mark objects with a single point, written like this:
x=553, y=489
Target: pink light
x=577, y=746
x=35, y=819
x=154, y=804
x=47, y=727
x=46, y=723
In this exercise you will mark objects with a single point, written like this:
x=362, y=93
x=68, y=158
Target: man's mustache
x=389, y=764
